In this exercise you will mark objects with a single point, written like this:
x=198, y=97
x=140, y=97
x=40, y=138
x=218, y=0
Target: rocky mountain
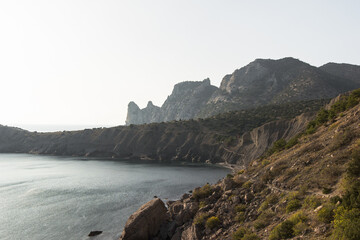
x=185, y=101
x=235, y=137
x=261, y=82
x=304, y=188
x=343, y=70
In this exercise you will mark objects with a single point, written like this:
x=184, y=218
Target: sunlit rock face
x=185, y=101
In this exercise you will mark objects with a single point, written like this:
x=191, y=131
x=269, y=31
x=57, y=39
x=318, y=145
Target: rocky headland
x=304, y=188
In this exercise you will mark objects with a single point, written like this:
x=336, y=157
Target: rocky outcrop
x=185, y=101
x=261, y=82
x=145, y=223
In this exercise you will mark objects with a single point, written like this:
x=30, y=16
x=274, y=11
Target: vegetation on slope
x=310, y=190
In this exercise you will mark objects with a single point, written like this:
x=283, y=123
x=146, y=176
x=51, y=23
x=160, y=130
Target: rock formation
x=146, y=221
x=185, y=101
x=261, y=82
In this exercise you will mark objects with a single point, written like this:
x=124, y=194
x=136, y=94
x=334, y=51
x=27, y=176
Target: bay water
x=48, y=197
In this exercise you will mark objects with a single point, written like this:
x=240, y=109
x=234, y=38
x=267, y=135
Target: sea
x=49, y=197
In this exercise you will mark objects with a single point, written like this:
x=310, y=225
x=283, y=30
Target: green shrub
x=202, y=192
x=202, y=204
x=335, y=199
x=212, y=222
x=247, y=184
x=250, y=236
x=293, y=205
x=346, y=224
x=265, y=162
x=326, y=213
x=270, y=200
x=240, y=208
x=200, y=219
x=239, y=234
x=230, y=176
x=264, y=219
x=300, y=228
x=326, y=190
x=298, y=217
x=312, y=202
x=282, y=231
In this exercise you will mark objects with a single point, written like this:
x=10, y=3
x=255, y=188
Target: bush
x=200, y=219
x=202, y=192
x=312, y=202
x=240, y=208
x=247, y=184
x=264, y=219
x=239, y=234
x=212, y=222
x=270, y=200
x=293, y=205
x=326, y=213
x=346, y=224
x=250, y=236
x=202, y=204
x=326, y=190
x=282, y=231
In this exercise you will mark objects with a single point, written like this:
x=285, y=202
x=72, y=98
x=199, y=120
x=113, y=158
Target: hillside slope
x=224, y=138
x=309, y=190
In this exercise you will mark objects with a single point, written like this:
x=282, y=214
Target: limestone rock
x=146, y=221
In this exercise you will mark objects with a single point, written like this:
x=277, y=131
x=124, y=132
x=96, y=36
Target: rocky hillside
x=304, y=188
x=261, y=82
x=234, y=137
x=343, y=70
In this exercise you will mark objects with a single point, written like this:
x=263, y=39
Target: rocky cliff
x=185, y=101
x=308, y=189
x=261, y=82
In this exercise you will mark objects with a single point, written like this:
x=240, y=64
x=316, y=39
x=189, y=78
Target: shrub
x=300, y=228
x=293, y=205
x=264, y=219
x=312, y=202
x=212, y=222
x=239, y=234
x=247, y=184
x=282, y=231
x=326, y=213
x=202, y=204
x=250, y=236
x=230, y=176
x=240, y=208
x=326, y=190
x=335, y=199
x=270, y=200
x=346, y=224
x=200, y=219
x=202, y=192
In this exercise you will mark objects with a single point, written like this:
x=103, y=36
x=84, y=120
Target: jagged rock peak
x=133, y=106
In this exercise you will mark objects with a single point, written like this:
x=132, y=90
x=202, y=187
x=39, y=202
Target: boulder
x=146, y=221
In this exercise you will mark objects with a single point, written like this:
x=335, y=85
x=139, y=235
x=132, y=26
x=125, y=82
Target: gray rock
x=146, y=221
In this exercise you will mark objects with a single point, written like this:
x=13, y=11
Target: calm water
x=43, y=197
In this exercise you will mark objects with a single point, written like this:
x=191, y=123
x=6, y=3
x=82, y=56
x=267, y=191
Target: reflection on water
x=43, y=197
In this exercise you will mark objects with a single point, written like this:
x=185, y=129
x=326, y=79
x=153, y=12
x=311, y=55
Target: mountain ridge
x=261, y=82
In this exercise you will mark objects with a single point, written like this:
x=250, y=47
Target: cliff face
x=310, y=190
x=262, y=82
x=194, y=141
x=185, y=101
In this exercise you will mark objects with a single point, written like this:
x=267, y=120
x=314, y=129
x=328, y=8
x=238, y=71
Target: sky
x=80, y=62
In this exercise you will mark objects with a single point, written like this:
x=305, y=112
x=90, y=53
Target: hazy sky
x=81, y=62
